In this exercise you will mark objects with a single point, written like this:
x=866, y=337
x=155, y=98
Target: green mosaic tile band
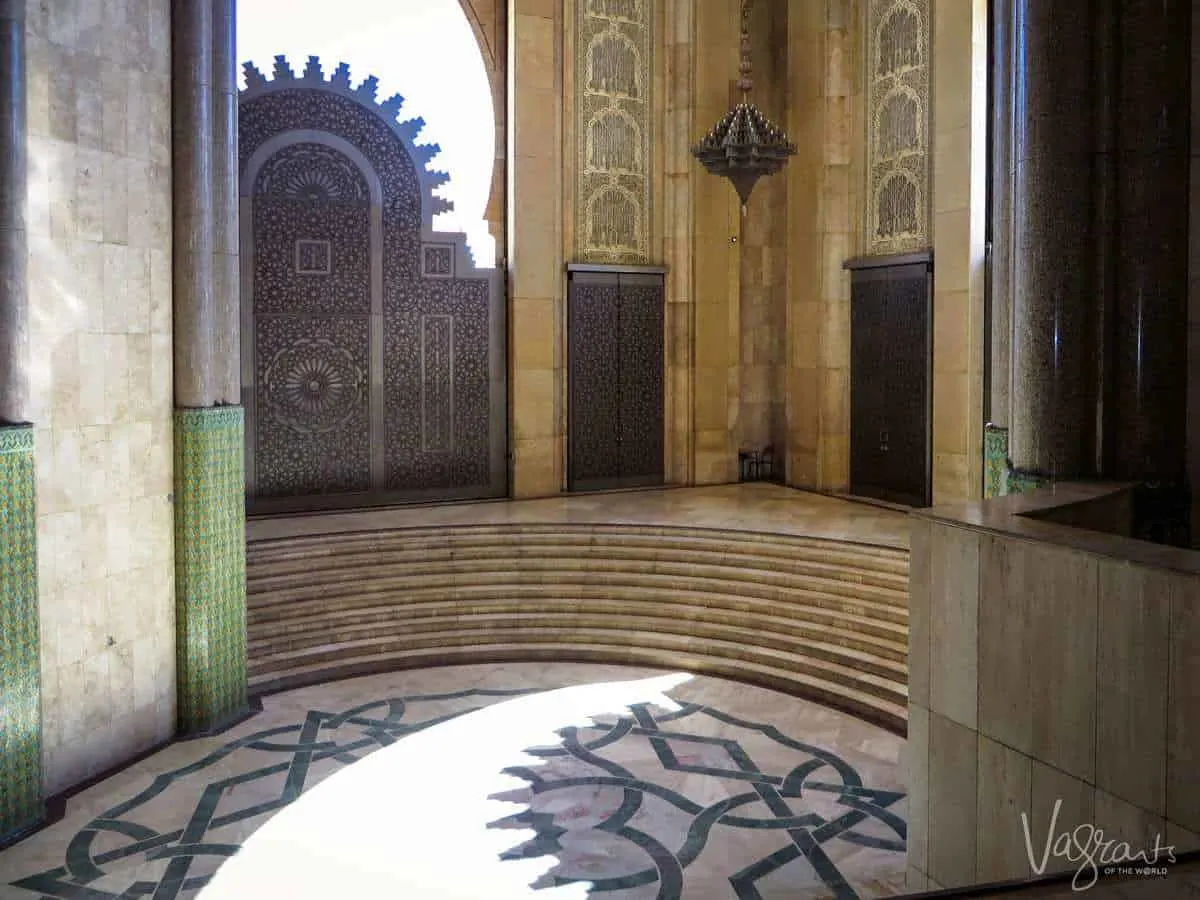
x=995, y=461
x=20, y=642
x=1023, y=482
x=210, y=565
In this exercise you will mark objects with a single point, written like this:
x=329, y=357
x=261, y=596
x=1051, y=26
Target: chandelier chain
x=745, y=83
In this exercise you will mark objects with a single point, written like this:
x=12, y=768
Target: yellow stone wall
x=100, y=297
x=536, y=278
x=825, y=119
x=675, y=202
x=763, y=280
x=716, y=225
x=959, y=205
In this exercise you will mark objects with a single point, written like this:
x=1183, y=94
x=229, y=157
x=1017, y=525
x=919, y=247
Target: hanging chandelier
x=745, y=145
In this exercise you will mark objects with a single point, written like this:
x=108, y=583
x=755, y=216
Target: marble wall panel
x=1086, y=703
x=100, y=290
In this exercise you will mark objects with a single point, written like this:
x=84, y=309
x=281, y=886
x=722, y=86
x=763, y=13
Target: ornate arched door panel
x=373, y=367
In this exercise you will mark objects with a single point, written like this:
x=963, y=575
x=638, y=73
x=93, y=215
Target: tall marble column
x=226, y=271
x=14, y=306
x=1052, y=238
x=1091, y=226
x=20, y=639
x=210, y=544
x=1148, y=397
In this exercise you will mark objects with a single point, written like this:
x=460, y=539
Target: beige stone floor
x=750, y=507
x=392, y=806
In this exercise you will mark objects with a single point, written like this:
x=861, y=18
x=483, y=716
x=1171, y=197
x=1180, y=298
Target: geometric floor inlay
x=706, y=799
x=801, y=809
x=188, y=855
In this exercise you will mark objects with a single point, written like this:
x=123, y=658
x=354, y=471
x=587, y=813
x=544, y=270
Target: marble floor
x=502, y=781
x=755, y=506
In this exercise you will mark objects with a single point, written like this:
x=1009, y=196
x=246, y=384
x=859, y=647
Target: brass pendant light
x=745, y=145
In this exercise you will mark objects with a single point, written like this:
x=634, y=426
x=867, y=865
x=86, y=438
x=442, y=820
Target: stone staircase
x=820, y=618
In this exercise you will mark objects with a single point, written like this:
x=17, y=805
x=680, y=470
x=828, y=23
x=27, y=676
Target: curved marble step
x=888, y=712
x=822, y=618
x=382, y=606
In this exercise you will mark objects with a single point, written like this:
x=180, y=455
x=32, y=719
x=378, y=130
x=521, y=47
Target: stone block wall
x=536, y=280
x=100, y=301
x=825, y=119
x=1045, y=675
x=958, y=201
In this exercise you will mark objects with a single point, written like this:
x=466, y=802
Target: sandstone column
x=20, y=640
x=210, y=544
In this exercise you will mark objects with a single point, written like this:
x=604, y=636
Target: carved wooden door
x=890, y=364
x=615, y=363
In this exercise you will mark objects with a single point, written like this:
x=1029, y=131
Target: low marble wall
x=1054, y=682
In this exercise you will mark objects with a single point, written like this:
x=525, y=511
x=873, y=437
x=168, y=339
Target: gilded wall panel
x=898, y=126
x=612, y=103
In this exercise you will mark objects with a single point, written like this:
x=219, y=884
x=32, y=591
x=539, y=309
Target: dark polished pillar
x=1001, y=80
x=210, y=520
x=20, y=634
x=1090, y=218
x=1148, y=395
x=1053, y=238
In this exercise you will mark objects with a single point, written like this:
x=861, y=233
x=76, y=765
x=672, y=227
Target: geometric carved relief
x=313, y=257
x=620, y=10
x=437, y=385
x=612, y=65
x=614, y=143
x=437, y=261
x=371, y=336
x=898, y=117
x=612, y=218
x=612, y=103
x=314, y=385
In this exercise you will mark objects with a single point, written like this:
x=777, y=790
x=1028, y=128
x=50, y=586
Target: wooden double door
x=615, y=325
x=890, y=378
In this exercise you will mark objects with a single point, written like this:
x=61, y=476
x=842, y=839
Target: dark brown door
x=890, y=357
x=640, y=434
x=615, y=364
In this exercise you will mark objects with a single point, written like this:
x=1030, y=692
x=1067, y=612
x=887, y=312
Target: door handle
x=883, y=440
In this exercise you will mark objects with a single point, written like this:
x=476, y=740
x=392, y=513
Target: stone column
x=14, y=306
x=210, y=543
x=20, y=639
x=1002, y=75
x=1149, y=353
x=1091, y=235
x=226, y=271
x=1053, y=238
x=192, y=169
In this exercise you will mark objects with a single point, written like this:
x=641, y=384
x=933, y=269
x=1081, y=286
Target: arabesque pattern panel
x=374, y=341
